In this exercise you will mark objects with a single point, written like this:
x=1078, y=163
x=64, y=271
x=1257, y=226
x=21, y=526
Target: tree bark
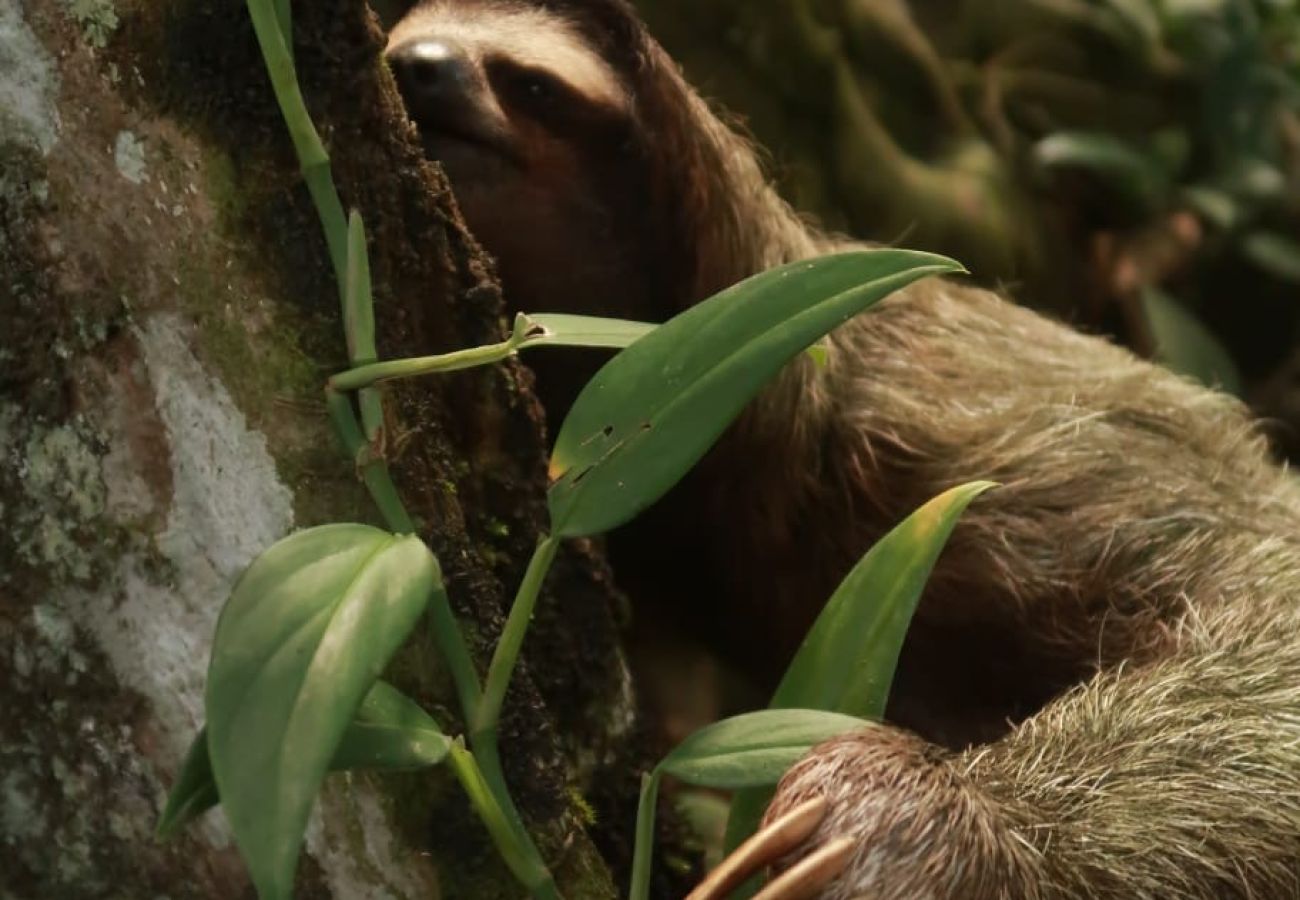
x=169, y=319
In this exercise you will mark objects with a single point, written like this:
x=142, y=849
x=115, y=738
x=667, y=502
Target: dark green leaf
x=388, y=732
x=655, y=408
x=1276, y=254
x=1215, y=206
x=1115, y=162
x=304, y=636
x=753, y=749
x=846, y=662
x=745, y=751
x=1187, y=346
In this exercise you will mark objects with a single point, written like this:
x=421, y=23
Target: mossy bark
x=169, y=318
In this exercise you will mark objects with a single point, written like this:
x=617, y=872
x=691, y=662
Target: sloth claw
x=768, y=845
x=806, y=878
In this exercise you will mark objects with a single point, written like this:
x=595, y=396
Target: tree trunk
x=169, y=319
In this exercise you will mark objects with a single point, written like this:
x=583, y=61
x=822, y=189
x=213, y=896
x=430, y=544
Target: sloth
x=1099, y=696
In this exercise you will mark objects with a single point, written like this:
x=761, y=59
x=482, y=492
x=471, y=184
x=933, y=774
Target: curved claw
x=770, y=844
x=806, y=878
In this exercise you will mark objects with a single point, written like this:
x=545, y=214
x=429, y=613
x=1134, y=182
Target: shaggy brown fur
x=1143, y=554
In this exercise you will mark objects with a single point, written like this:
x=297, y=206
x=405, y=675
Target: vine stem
x=515, y=848
x=506, y=654
x=365, y=376
x=374, y=473
x=485, y=715
x=312, y=158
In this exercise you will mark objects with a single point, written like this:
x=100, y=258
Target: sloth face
x=536, y=133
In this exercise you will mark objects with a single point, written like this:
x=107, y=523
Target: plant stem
x=312, y=158
x=488, y=754
x=643, y=846
x=517, y=849
x=512, y=636
x=374, y=471
x=451, y=644
x=359, y=325
x=365, y=376
x=284, y=16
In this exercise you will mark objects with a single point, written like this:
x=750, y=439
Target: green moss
x=96, y=18
x=585, y=812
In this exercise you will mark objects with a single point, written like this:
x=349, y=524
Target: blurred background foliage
x=1132, y=166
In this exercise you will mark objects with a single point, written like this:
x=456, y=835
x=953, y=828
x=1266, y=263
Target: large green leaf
x=754, y=748
x=304, y=636
x=389, y=732
x=655, y=408
x=846, y=662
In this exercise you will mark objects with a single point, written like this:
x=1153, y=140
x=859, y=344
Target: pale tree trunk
x=168, y=318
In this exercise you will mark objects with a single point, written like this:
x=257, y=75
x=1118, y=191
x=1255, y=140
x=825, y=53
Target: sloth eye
x=538, y=87
x=531, y=91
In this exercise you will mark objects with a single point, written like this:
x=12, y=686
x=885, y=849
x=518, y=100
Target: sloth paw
x=881, y=814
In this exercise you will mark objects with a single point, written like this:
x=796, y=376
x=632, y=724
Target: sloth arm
x=1142, y=540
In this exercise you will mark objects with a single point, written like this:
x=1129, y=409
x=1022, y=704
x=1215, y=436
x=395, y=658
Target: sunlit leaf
x=389, y=732
x=1185, y=345
x=305, y=634
x=655, y=408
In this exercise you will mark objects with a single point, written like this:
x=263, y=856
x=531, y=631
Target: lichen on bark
x=169, y=320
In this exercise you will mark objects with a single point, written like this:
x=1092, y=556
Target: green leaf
x=1185, y=345
x=653, y=410
x=1217, y=207
x=389, y=732
x=561, y=330
x=846, y=662
x=1109, y=158
x=305, y=634
x=753, y=749
x=745, y=751
x=195, y=790
x=1276, y=254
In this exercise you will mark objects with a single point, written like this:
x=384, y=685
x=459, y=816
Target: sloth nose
x=431, y=73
